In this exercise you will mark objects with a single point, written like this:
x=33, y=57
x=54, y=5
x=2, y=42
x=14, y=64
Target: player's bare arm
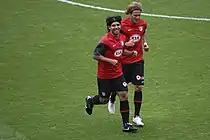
x=105, y=59
x=130, y=53
x=99, y=54
x=146, y=46
x=130, y=43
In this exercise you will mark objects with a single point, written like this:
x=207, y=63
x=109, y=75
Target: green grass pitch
x=46, y=70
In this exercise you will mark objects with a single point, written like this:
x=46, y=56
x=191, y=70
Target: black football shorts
x=134, y=73
x=107, y=86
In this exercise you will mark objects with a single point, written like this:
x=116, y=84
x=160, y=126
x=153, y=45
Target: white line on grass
x=121, y=11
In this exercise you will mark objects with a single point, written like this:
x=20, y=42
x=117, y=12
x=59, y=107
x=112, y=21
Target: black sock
x=137, y=102
x=96, y=100
x=113, y=97
x=124, y=110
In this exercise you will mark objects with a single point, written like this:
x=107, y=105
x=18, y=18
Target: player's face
x=115, y=28
x=135, y=16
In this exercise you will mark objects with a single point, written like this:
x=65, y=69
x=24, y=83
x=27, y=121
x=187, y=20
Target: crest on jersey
x=122, y=43
x=118, y=53
x=141, y=28
x=135, y=37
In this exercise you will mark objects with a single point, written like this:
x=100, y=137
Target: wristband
x=145, y=43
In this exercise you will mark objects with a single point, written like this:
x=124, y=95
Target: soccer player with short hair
x=134, y=28
x=110, y=77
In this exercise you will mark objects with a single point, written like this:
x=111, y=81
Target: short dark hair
x=110, y=20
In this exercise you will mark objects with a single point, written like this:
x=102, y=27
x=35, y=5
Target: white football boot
x=138, y=121
x=111, y=107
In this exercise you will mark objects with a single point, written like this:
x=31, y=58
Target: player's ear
x=108, y=28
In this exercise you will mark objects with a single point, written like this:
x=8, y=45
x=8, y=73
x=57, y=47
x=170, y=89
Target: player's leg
x=120, y=87
x=126, y=73
x=138, y=82
x=102, y=97
x=124, y=110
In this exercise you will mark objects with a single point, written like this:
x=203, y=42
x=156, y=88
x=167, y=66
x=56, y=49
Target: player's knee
x=104, y=100
x=123, y=96
x=138, y=88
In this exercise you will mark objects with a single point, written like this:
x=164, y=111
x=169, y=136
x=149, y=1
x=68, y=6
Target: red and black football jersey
x=135, y=32
x=112, y=47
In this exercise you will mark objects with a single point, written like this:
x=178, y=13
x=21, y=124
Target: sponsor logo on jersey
x=135, y=37
x=118, y=53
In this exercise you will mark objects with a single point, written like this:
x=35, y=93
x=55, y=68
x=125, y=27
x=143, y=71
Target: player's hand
x=113, y=62
x=134, y=53
x=146, y=47
x=130, y=43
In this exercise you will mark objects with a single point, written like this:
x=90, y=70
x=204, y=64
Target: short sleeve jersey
x=135, y=32
x=114, y=50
